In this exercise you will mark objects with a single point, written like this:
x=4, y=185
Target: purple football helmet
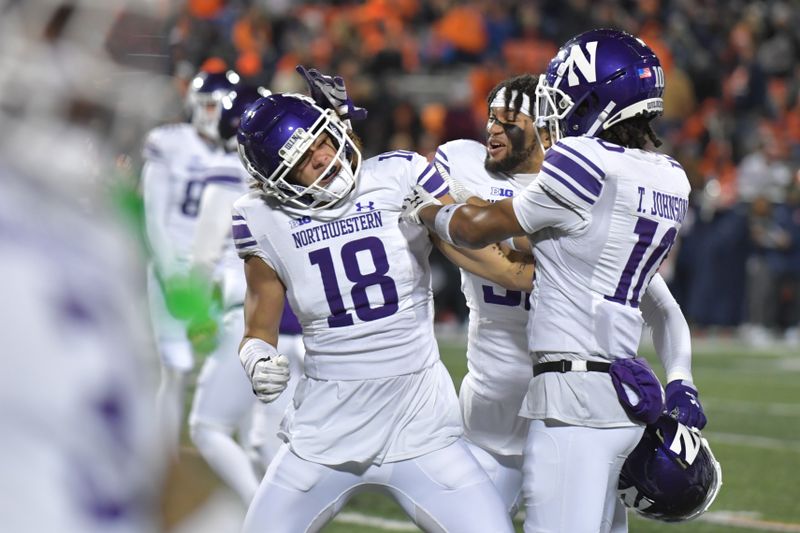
x=274, y=135
x=671, y=475
x=204, y=100
x=233, y=106
x=596, y=80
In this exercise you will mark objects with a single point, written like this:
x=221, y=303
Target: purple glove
x=643, y=400
x=330, y=92
x=683, y=405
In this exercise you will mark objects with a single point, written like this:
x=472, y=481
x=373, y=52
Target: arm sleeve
x=671, y=335
x=213, y=227
x=156, y=194
x=537, y=209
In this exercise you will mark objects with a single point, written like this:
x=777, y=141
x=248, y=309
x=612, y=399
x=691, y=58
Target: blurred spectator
x=765, y=268
x=765, y=172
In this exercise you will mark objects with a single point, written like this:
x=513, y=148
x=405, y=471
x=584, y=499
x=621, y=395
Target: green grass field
x=752, y=400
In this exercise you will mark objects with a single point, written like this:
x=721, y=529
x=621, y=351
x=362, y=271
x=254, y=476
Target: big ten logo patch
x=299, y=221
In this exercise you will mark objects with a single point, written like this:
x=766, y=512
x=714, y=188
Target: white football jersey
x=357, y=279
x=589, y=281
x=176, y=157
x=80, y=452
x=497, y=347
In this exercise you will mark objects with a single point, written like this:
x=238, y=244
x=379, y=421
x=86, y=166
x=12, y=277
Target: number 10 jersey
x=590, y=277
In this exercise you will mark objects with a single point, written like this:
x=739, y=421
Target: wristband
x=253, y=351
x=679, y=375
x=441, y=224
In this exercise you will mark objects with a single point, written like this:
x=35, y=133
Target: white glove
x=414, y=202
x=270, y=378
x=458, y=192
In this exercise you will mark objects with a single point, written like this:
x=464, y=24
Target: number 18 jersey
x=591, y=277
x=356, y=277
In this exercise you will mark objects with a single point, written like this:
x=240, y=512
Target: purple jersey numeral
x=191, y=197
x=361, y=302
x=510, y=298
x=646, y=230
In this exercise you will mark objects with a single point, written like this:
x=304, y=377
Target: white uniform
x=79, y=452
x=499, y=365
x=224, y=400
x=172, y=181
x=376, y=402
x=176, y=158
x=594, y=263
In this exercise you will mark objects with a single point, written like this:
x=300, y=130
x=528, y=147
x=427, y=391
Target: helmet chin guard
x=274, y=135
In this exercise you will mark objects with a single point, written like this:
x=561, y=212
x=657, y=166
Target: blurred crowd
x=423, y=70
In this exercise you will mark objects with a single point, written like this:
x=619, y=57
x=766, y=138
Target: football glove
x=457, y=192
x=270, y=377
x=330, y=92
x=683, y=404
x=416, y=201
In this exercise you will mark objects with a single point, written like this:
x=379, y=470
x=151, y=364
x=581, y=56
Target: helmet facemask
x=552, y=106
x=344, y=166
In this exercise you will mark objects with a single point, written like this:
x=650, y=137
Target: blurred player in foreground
x=376, y=409
x=224, y=402
x=79, y=452
x=601, y=216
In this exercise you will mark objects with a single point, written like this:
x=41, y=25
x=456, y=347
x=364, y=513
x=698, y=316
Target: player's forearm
x=464, y=225
x=671, y=335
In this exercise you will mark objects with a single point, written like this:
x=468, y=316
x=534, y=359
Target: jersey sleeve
x=571, y=174
x=154, y=149
x=246, y=244
x=428, y=176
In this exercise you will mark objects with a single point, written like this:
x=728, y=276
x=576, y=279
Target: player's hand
x=203, y=334
x=270, y=378
x=457, y=192
x=415, y=202
x=683, y=404
x=330, y=92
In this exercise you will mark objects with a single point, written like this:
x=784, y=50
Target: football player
x=79, y=452
x=601, y=216
x=499, y=367
x=176, y=157
x=376, y=409
x=224, y=401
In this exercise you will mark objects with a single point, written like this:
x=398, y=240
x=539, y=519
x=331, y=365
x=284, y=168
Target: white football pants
x=571, y=475
x=444, y=491
x=505, y=472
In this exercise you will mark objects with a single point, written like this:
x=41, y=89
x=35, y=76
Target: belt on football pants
x=570, y=366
